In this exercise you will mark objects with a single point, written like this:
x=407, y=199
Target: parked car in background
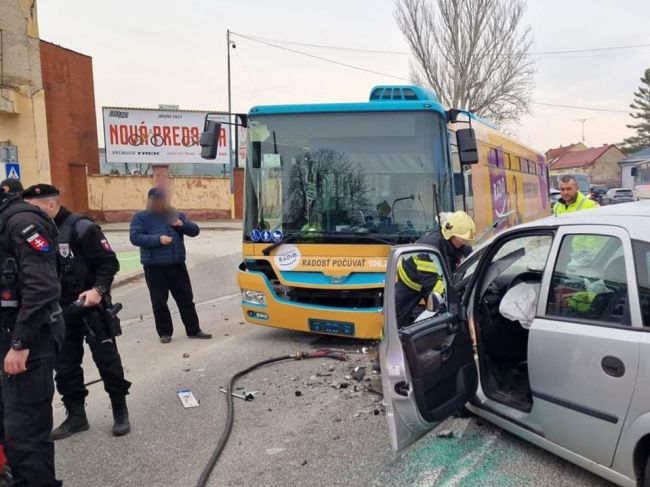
x=555, y=196
x=560, y=310
x=618, y=195
x=597, y=193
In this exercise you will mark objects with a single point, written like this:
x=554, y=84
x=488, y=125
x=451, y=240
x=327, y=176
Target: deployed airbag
x=520, y=303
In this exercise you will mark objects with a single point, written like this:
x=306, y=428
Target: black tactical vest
x=72, y=268
x=10, y=278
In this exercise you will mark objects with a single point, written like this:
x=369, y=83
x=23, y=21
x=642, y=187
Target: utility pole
x=230, y=44
x=582, y=121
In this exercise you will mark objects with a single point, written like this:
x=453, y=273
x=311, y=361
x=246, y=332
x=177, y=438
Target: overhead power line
x=407, y=53
x=321, y=58
x=372, y=71
x=594, y=109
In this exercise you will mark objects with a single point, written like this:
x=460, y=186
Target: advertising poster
x=143, y=136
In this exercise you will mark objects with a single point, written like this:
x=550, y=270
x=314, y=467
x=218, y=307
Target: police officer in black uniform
x=87, y=266
x=31, y=335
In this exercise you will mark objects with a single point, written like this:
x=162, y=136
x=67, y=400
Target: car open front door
x=428, y=367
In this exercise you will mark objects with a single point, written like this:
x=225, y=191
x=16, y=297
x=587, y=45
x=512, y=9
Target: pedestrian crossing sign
x=12, y=171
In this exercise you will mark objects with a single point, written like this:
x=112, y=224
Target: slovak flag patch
x=39, y=242
x=106, y=245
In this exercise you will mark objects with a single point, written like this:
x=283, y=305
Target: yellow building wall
x=22, y=106
x=120, y=196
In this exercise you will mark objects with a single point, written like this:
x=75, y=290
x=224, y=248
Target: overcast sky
x=148, y=52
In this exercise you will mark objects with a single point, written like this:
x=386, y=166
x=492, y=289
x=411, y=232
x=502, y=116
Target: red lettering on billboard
x=175, y=135
x=222, y=137
x=165, y=134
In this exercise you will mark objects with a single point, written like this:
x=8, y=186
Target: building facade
x=600, y=164
x=71, y=122
x=23, y=123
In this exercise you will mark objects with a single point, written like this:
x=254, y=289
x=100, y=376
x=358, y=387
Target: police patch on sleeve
x=38, y=242
x=106, y=245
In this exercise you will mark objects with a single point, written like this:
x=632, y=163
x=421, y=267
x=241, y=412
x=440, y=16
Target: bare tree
x=473, y=53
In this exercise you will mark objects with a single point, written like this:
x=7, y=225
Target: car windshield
x=347, y=175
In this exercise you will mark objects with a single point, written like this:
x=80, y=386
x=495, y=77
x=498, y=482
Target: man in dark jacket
x=159, y=231
x=87, y=266
x=30, y=337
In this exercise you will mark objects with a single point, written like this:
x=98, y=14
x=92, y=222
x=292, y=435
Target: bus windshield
x=346, y=176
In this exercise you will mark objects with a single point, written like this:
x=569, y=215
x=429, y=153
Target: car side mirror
x=434, y=302
x=467, y=150
x=210, y=139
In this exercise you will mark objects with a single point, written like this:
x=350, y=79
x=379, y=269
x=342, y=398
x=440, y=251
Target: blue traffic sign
x=12, y=171
x=276, y=235
x=266, y=236
x=256, y=235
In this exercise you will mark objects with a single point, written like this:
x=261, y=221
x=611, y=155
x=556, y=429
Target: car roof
x=633, y=217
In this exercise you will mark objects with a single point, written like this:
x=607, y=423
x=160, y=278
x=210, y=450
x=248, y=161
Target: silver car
x=543, y=331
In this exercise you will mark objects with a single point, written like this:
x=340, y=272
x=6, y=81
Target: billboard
x=145, y=136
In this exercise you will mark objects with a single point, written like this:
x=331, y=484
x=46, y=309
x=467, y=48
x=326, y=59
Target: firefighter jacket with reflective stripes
x=421, y=274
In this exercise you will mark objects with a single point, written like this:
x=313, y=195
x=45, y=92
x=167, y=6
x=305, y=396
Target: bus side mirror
x=210, y=139
x=635, y=171
x=467, y=150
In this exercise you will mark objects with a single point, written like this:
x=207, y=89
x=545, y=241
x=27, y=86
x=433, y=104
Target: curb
x=128, y=280
x=208, y=229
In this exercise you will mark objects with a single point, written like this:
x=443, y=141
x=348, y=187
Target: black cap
x=40, y=191
x=156, y=194
x=14, y=185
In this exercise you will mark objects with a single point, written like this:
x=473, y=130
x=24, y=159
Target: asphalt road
x=305, y=427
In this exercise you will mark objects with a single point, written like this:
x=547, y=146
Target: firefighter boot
x=74, y=423
x=121, y=424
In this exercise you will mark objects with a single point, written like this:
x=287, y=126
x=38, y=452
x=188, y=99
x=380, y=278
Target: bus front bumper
x=365, y=323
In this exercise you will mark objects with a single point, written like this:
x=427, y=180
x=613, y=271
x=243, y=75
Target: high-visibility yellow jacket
x=581, y=203
x=580, y=243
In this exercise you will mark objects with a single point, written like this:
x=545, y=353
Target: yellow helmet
x=459, y=224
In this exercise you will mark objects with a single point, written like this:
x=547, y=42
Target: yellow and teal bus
x=329, y=188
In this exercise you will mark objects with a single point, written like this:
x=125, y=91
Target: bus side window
x=506, y=160
x=457, y=170
x=515, y=163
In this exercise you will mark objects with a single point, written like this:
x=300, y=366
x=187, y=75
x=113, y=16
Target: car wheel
x=645, y=480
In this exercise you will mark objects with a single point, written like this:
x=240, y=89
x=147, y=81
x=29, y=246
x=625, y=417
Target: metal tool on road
x=246, y=396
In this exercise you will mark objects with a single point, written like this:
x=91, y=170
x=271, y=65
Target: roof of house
x=641, y=156
x=558, y=152
x=580, y=158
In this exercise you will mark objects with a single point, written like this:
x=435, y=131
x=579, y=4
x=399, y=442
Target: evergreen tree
x=641, y=113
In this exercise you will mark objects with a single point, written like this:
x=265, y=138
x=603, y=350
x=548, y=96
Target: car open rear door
x=428, y=366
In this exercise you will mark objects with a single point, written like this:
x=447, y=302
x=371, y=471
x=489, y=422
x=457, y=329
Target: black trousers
x=161, y=280
x=406, y=301
x=69, y=374
x=26, y=409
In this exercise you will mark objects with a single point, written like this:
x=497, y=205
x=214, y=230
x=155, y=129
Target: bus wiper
x=363, y=236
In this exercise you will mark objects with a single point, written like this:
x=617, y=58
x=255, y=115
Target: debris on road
x=298, y=393
x=359, y=373
x=186, y=355
x=187, y=398
x=245, y=396
x=446, y=434
x=274, y=451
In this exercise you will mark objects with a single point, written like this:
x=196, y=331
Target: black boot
x=74, y=423
x=121, y=424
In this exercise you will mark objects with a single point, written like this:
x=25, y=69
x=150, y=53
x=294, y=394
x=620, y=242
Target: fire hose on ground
x=230, y=417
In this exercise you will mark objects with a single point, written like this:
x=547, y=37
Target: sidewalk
x=215, y=239
x=226, y=225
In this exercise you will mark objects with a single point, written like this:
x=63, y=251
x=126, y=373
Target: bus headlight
x=253, y=297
